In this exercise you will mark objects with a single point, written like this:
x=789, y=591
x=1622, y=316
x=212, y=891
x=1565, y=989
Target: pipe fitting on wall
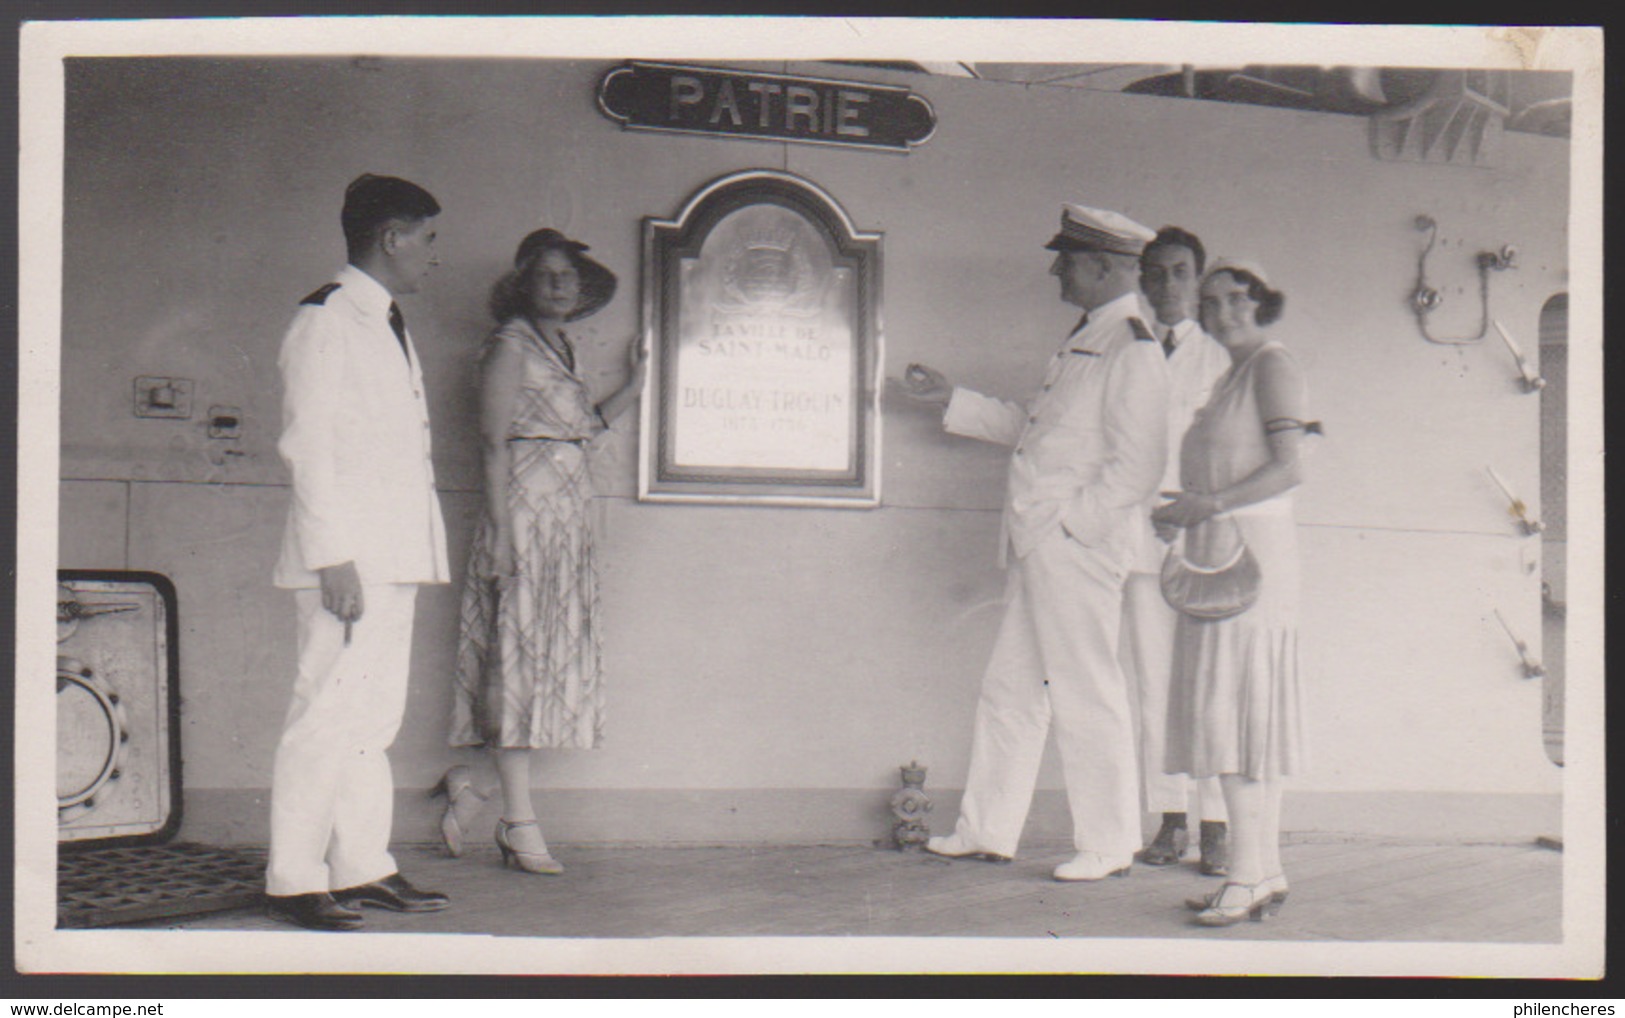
x=1498, y=260
x=1426, y=298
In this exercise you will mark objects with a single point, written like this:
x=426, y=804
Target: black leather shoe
x=393, y=893
x=1169, y=845
x=1215, y=851
x=317, y=911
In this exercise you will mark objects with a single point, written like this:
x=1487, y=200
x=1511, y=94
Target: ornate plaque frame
x=761, y=309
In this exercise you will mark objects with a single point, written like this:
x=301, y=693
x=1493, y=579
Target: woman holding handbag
x=1234, y=707
x=528, y=656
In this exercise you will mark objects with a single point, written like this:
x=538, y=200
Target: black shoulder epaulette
x=1141, y=332
x=320, y=296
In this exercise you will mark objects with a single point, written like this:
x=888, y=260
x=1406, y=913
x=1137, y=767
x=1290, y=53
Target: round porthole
x=90, y=738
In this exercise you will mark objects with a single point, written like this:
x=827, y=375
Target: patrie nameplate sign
x=646, y=96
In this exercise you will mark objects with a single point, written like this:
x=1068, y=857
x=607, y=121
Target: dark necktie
x=398, y=322
x=1168, y=343
x=1081, y=323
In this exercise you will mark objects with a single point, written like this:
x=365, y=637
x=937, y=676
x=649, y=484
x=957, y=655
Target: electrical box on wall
x=225, y=422
x=163, y=397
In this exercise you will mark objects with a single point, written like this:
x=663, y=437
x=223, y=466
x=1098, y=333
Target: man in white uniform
x=1088, y=455
x=1170, y=274
x=364, y=530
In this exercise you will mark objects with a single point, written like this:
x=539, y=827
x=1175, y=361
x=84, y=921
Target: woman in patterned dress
x=528, y=656
x=1234, y=707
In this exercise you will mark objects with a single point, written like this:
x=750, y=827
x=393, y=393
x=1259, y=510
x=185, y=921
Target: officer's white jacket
x=1092, y=446
x=1197, y=363
x=355, y=435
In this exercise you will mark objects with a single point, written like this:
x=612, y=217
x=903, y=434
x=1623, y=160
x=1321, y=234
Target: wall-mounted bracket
x=1528, y=378
x=1531, y=668
x=1515, y=506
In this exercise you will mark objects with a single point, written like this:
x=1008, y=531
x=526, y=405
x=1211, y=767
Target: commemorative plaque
x=761, y=305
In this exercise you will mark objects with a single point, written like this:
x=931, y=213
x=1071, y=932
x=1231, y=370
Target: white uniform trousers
x=332, y=794
x=1055, y=659
x=1147, y=654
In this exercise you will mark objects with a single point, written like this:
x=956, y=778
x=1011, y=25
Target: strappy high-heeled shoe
x=1276, y=885
x=530, y=862
x=1278, y=889
x=1227, y=911
x=463, y=801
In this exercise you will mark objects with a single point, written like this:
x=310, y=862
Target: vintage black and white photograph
x=792, y=495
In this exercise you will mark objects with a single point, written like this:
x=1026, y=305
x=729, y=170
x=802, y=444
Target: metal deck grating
x=105, y=887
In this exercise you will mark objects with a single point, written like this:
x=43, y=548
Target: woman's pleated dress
x=1234, y=702
x=528, y=673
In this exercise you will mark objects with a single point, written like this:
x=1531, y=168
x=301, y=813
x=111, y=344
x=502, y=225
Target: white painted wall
x=763, y=649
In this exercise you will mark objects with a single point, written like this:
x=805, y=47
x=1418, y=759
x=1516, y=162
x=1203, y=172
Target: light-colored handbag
x=1211, y=592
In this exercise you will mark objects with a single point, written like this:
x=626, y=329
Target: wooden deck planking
x=1495, y=895
x=1389, y=898
x=800, y=879
x=1342, y=891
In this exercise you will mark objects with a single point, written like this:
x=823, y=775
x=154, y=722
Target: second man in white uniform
x=1170, y=273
